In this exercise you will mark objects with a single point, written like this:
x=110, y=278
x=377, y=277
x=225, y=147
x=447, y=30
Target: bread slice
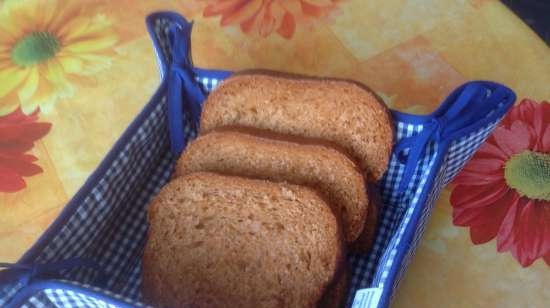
x=341, y=112
x=336, y=294
x=364, y=242
x=219, y=241
x=317, y=166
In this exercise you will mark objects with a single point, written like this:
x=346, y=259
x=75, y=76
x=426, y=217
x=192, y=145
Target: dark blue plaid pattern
x=372, y=270
x=39, y=300
x=8, y=291
x=105, y=228
x=109, y=225
x=60, y=296
x=456, y=156
x=462, y=150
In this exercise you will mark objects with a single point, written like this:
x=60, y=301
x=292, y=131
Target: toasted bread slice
x=341, y=112
x=317, y=166
x=219, y=241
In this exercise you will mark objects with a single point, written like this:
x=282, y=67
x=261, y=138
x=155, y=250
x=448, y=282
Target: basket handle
x=466, y=106
x=184, y=93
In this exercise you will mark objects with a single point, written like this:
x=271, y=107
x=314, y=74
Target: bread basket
x=91, y=255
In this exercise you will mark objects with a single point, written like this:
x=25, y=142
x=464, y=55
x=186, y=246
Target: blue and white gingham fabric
x=70, y=294
x=106, y=221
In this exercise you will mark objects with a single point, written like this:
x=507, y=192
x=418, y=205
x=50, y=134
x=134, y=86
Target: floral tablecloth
x=73, y=74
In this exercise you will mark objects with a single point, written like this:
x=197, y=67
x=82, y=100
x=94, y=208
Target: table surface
x=89, y=67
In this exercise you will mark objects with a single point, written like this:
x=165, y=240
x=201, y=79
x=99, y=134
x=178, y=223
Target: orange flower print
x=264, y=17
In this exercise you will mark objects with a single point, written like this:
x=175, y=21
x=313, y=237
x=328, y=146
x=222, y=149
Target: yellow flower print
x=45, y=46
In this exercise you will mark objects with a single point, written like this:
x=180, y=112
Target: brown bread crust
x=364, y=243
x=316, y=166
x=220, y=241
x=338, y=111
x=336, y=294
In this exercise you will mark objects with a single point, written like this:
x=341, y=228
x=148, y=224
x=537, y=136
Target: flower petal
x=30, y=106
x=21, y=165
x=8, y=106
x=545, y=140
x=476, y=216
x=30, y=86
x=90, y=64
x=73, y=28
x=506, y=238
x=288, y=26
x=26, y=158
x=273, y=19
x=10, y=132
x=11, y=78
x=531, y=233
x=48, y=12
x=318, y=2
x=15, y=147
x=242, y=14
x=547, y=259
x=222, y=7
x=309, y=7
x=472, y=198
x=541, y=117
x=5, y=58
x=248, y=25
x=13, y=27
x=10, y=181
x=293, y=7
x=54, y=73
x=484, y=233
x=86, y=44
x=523, y=130
x=510, y=142
x=472, y=178
x=462, y=194
x=63, y=13
x=524, y=111
x=484, y=165
x=70, y=64
x=46, y=94
x=490, y=150
x=34, y=131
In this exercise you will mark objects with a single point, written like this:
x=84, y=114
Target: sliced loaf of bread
x=343, y=113
x=317, y=166
x=364, y=242
x=336, y=294
x=220, y=241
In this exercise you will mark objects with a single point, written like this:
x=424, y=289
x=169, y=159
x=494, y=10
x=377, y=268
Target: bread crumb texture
x=221, y=241
x=338, y=111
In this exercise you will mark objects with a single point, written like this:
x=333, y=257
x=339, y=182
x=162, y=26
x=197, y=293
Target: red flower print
x=504, y=191
x=267, y=16
x=18, y=132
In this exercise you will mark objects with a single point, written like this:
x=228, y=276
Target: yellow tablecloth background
x=413, y=53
